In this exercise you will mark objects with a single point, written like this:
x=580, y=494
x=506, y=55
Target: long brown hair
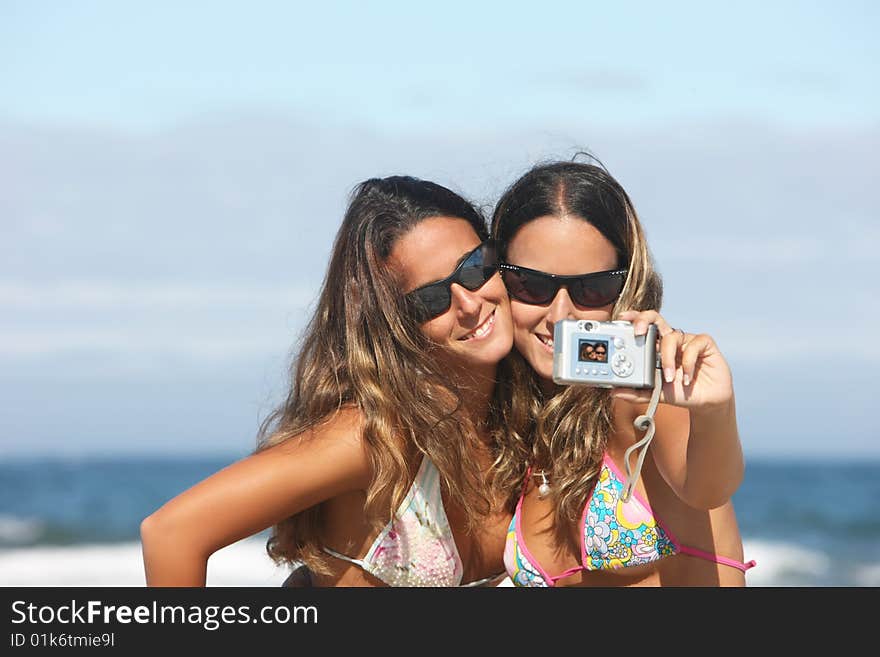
x=568, y=431
x=362, y=348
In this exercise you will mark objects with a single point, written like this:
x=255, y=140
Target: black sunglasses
x=473, y=270
x=539, y=288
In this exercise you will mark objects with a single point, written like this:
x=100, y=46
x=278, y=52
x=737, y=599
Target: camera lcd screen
x=593, y=351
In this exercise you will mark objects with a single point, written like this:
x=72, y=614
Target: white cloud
x=769, y=252
x=172, y=254
x=116, y=329
x=52, y=343
x=756, y=253
x=113, y=295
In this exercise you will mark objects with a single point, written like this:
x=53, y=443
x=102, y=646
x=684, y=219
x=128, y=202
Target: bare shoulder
x=335, y=444
x=275, y=483
x=339, y=433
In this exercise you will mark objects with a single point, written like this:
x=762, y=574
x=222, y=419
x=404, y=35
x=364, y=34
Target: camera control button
x=618, y=342
x=621, y=365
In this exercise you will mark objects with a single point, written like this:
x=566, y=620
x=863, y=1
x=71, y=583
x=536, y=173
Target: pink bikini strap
x=550, y=579
x=566, y=573
x=694, y=552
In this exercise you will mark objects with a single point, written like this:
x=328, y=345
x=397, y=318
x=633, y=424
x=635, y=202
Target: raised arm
x=696, y=446
x=251, y=495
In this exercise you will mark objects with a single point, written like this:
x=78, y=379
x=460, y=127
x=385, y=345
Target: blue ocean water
x=807, y=524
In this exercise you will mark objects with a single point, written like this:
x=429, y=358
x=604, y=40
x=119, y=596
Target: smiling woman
x=416, y=256
x=574, y=248
x=376, y=468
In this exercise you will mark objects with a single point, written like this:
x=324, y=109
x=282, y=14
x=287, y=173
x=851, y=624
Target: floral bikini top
x=416, y=548
x=616, y=534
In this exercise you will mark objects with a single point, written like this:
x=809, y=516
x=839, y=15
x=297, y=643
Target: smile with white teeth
x=545, y=340
x=484, y=329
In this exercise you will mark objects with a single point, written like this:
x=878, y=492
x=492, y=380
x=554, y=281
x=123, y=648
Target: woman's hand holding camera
x=695, y=374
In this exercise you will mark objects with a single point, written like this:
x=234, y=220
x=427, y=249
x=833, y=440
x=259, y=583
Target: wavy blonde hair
x=362, y=348
x=568, y=431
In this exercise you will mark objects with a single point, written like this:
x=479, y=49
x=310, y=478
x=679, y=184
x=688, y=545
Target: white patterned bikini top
x=416, y=548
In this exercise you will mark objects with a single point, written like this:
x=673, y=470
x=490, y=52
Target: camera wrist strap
x=641, y=423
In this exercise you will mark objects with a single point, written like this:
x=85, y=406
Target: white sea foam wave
x=868, y=575
x=18, y=530
x=241, y=564
x=784, y=564
x=246, y=564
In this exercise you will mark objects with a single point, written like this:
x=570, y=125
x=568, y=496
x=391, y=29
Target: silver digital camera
x=603, y=354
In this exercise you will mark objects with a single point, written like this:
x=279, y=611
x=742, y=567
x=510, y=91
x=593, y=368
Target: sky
x=172, y=176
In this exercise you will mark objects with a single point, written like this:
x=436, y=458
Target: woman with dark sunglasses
x=375, y=470
x=572, y=247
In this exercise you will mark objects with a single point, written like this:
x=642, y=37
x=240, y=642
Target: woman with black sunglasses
x=375, y=470
x=572, y=247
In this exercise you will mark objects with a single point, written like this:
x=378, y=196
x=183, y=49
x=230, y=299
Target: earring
x=544, y=488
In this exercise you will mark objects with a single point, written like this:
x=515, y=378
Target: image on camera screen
x=593, y=351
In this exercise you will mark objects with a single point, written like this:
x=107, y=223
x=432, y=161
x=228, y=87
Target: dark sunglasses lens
x=528, y=287
x=434, y=300
x=596, y=292
x=478, y=268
